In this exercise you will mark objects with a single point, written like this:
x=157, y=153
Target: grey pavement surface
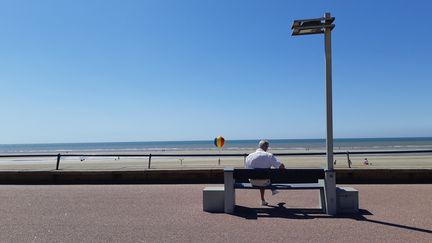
x=173, y=213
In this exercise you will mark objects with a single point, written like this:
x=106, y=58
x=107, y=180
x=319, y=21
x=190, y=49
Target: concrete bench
x=282, y=179
x=213, y=199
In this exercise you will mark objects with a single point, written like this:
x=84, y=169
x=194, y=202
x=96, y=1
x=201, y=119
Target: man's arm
x=276, y=163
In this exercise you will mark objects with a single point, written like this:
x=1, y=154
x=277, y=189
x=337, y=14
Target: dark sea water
x=230, y=145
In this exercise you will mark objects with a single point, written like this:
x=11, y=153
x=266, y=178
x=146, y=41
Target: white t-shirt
x=261, y=159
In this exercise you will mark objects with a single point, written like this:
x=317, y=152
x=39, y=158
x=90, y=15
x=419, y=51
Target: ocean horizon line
x=227, y=140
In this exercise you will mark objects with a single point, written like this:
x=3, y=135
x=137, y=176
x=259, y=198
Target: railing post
x=348, y=159
x=149, y=163
x=244, y=159
x=58, y=161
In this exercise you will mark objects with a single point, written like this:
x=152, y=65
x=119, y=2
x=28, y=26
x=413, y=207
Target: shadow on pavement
x=397, y=225
x=280, y=211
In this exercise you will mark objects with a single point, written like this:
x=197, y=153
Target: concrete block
x=213, y=199
x=347, y=200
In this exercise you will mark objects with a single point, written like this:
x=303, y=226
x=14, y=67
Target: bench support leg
x=322, y=200
x=330, y=192
x=229, y=191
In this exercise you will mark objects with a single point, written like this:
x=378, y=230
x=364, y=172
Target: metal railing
x=244, y=155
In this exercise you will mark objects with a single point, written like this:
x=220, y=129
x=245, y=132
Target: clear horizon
x=156, y=141
x=113, y=71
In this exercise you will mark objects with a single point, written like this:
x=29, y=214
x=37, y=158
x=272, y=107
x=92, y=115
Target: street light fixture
x=324, y=26
x=312, y=26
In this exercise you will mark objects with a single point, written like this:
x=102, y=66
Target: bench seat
x=282, y=186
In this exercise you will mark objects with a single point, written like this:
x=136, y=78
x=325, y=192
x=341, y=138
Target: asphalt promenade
x=173, y=213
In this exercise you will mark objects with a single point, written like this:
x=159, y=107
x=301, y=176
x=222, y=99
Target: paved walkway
x=173, y=213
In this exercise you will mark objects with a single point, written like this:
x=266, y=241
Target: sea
x=340, y=144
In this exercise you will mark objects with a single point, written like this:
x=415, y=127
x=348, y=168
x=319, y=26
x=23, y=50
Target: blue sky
x=94, y=71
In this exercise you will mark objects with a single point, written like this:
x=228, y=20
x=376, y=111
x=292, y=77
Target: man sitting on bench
x=261, y=159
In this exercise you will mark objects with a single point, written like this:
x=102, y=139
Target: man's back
x=261, y=159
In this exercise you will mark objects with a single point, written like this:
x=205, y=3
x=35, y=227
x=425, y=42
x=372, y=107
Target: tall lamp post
x=324, y=26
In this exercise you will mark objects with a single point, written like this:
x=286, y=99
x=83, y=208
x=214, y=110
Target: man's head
x=264, y=145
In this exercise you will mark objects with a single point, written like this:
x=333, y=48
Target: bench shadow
x=280, y=211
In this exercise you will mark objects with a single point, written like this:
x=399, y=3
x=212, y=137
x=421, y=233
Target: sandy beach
x=416, y=161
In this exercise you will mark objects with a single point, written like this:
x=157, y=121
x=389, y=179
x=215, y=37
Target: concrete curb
x=384, y=176
x=207, y=176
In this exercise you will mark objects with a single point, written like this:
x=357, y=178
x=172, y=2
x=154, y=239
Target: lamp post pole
x=317, y=26
x=329, y=105
x=330, y=173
